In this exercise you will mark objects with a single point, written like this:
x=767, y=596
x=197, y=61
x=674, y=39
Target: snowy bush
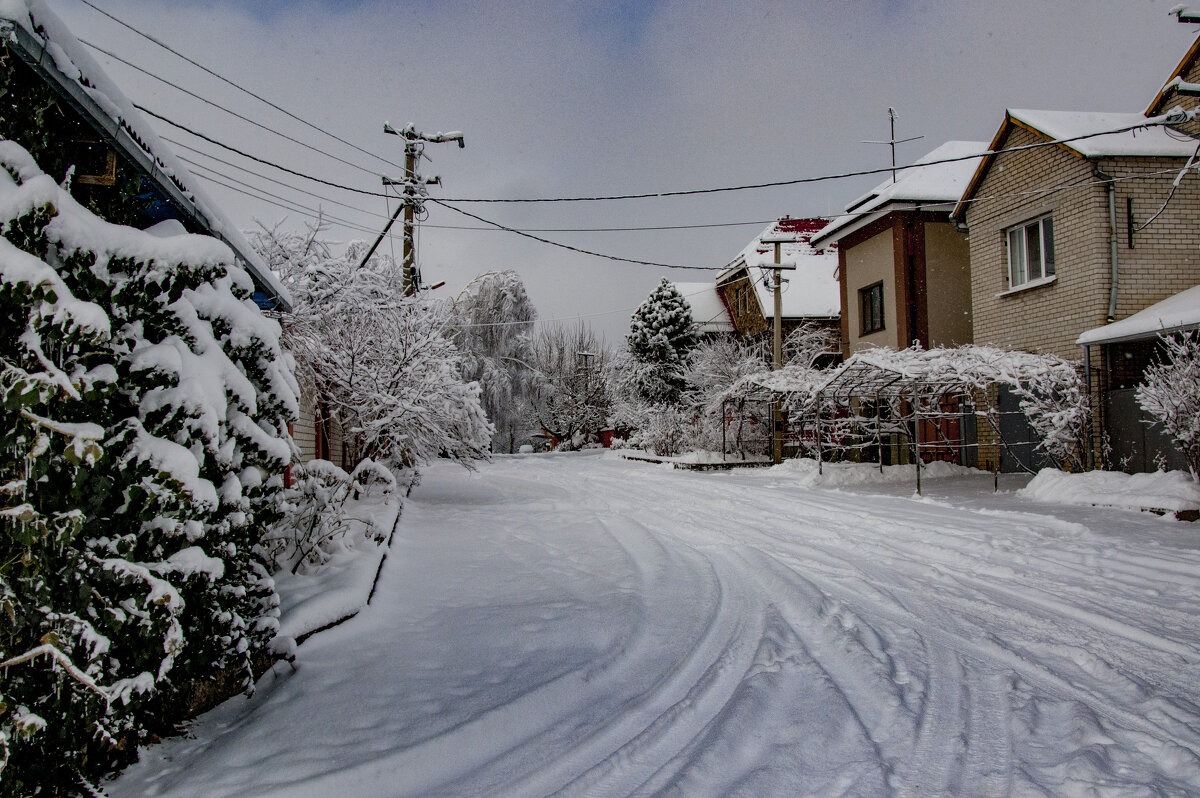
x=1170, y=391
x=372, y=478
x=722, y=390
x=143, y=435
x=877, y=391
x=662, y=430
x=381, y=362
x=314, y=517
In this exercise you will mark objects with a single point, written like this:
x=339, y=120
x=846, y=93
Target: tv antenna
x=893, y=141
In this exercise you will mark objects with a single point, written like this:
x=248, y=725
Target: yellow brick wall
x=1165, y=258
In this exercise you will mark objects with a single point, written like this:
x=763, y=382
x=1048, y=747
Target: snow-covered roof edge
x=933, y=187
x=47, y=45
x=1174, y=314
x=1054, y=125
x=708, y=310
x=1185, y=63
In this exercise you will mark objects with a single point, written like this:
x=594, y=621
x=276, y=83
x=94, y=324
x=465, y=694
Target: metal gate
x=1136, y=445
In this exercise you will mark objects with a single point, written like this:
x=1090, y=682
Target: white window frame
x=1029, y=259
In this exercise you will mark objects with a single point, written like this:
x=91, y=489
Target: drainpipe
x=1112, y=238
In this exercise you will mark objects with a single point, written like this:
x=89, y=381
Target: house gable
x=1188, y=70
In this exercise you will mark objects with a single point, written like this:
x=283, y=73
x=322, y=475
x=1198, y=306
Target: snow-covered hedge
x=143, y=438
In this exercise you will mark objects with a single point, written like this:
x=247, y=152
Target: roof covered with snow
x=708, y=311
x=45, y=42
x=812, y=290
x=938, y=178
x=1174, y=314
x=1146, y=139
x=1153, y=141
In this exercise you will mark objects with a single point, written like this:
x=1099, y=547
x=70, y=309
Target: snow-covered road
x=583, y=625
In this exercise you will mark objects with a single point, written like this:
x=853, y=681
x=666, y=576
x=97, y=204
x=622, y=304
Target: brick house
x=1067, y=237
x=810, y=293
x=903, y=269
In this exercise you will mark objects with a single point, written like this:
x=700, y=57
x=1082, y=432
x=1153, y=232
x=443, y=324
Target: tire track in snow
x=935, y=762
x=925, y=565
x=654, y=724
x=992, y=656
x=988, y=765
x=869, y=586
x=990, y=653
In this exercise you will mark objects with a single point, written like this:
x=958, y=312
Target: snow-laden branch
x=61, y=659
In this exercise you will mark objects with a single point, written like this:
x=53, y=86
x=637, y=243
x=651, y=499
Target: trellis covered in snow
x=922, y=405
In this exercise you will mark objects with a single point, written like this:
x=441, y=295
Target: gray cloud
x=596, y=98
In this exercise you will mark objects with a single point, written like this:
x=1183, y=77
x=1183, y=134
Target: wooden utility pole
x=777, y=269
x=408, y=258
x=411, y=197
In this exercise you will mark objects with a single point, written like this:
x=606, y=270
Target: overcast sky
x=581, y=99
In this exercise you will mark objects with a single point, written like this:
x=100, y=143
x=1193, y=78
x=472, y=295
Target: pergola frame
x=914, y=386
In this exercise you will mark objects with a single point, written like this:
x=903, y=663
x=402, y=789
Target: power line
x=293, y=206
x=688, y=192
x=261, y=176
x=525, y=234
x=285, y=204
x=278, y=182
x=244, y=154
x=265, y=193
x=224, y=79
x=606, y=229
x=494, y=228
x=815, y=179
x=229, y=111
x=499, y=226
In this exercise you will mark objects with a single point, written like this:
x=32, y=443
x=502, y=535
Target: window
x=870, y=302
x=1030, y=252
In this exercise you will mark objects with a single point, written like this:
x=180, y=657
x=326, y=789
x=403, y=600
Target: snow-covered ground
x=586, y=625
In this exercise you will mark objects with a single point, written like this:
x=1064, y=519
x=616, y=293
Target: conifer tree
x=143, y=438
x=661, y=338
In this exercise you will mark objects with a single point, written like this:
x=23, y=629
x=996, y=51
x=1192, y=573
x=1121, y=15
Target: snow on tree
x=494, y=331
x=661, y=337
x=382, y=362
x=1170, y=391
x=722, y=393
x=143, y=438
x=1050, y=391
x=570, y=398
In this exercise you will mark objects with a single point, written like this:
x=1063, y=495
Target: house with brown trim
x=904, y=271
x=1078, y=222
x=810, y=292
